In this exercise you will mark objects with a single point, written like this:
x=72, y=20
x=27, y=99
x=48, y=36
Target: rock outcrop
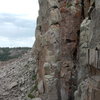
x=89, y=66
x=67, y=47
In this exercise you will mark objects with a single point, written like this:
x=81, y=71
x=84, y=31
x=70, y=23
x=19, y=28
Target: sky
x=18, y=22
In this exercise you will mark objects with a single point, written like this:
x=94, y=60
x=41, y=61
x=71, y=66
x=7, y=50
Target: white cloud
x=17, y=29
x=17, y=22
x=19, y=42
x=26, y=8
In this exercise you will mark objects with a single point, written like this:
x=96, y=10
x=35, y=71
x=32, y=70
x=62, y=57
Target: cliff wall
x=67, y=48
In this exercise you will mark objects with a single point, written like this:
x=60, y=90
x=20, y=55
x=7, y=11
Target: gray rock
x=47, y=68
x=37, y=99
x=55, y=17
x=10, y=86
x=41, y=87
x=53, y=3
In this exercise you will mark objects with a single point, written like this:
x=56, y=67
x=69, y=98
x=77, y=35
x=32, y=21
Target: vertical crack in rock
x=70, y=25
x=83, y=12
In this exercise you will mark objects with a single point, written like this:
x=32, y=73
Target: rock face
x=65, y=55
x=67, y=48
x=57, y=37
x=89, y=66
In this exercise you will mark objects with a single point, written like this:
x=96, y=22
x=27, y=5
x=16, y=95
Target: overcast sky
x=17, y=22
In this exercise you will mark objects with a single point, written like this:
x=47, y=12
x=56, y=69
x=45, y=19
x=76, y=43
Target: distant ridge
x=7, y=53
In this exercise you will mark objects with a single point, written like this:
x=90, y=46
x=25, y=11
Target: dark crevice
x=82, y=13
x=58, y=85
x=70, y=98
x=44, y=87
x=67, y=66
x=78, y=37
x=75, y=54
x=97, y=60
x=55, y=7
x=78, y=33
x=56, y=23
x=69, y=40
x=78, y=41
x=71, y=89
x=74, y=67
x=39, y=28
x=59, y=1
x=88, y=56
